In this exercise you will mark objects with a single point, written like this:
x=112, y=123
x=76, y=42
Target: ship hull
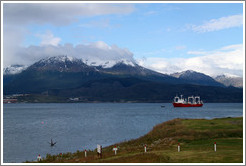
x=186, y=105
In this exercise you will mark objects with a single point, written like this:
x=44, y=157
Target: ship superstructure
x=191, y=101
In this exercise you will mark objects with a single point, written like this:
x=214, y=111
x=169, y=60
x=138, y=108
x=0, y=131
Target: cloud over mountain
x=97, y=52
x=86, y=30
x=228, y=59
x=17, y=16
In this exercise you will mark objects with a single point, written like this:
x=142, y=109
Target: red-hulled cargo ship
x=190, y=102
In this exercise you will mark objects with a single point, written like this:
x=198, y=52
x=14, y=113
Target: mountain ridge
x=70, y=77
x=196, y=78
x=230, y=80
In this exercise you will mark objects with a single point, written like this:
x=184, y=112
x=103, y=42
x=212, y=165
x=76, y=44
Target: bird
x=52, y=143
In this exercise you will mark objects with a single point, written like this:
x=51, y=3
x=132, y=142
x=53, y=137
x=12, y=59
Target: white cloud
x=12, y=38
x=227, y=59
x=99, y=52
x=58, y=13
x=219, y=24
x=49, y=39
x=17, y=16
x=196, y=52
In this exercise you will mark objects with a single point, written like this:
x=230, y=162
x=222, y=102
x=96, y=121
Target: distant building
x=74, y=99
x=10, y=100
x=17, y=95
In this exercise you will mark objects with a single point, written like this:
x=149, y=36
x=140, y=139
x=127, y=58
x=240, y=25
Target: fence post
x=115, y=150
x=215, y=146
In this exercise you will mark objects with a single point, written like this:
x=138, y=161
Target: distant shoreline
x=106, y=102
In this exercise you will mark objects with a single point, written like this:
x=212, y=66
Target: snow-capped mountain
x=63, y=72
x=71, y=64
x=196, y=78
x=64, y=62
x=14, y=69
x=55, y=59
x=230, y=80
x=66, y=77
x=109, y=63
x=60, y=63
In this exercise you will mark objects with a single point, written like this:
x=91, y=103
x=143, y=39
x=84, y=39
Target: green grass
x=196, y=138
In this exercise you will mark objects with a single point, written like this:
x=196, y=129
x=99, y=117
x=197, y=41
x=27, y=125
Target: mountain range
x=196, y=78
x=125, y=81
x=230, y=80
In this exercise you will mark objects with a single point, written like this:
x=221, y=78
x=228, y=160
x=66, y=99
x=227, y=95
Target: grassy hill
x=196, y=138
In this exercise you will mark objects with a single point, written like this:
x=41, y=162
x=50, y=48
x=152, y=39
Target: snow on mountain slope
x=230, y=80
x=14, y=69
x=120, y=66
x=108, y=63
x=60, y=63
x=54, y=59
x=196, y=78
x=90, y=62
x=183, y=73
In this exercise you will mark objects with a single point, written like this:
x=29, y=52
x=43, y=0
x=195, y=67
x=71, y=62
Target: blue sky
x=156, y=34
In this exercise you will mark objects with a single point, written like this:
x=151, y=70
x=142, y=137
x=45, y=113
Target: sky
x=165, y=37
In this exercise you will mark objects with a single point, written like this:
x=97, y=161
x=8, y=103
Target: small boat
x=162, y=106
x=192, y=101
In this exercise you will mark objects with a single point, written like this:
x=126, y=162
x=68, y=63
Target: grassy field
x=195, y=136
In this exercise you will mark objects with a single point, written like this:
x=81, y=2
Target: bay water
x=28, y=128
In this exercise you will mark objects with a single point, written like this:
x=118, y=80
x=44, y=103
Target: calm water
x=27, y=128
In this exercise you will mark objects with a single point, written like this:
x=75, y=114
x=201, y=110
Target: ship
x=192, y=101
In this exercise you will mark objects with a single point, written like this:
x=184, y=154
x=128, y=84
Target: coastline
x=196, y=143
